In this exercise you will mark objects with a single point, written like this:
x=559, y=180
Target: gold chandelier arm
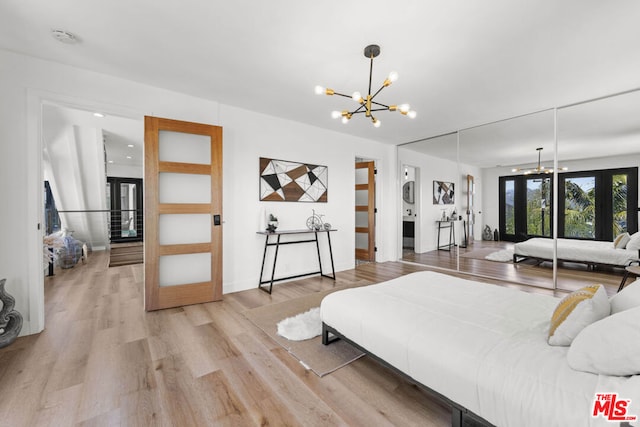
x=360, y=109
x=341, y=94
x=378, y=91
x=386, y=107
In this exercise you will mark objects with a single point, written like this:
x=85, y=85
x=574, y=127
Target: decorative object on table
x=315, y=222
x=487, y=234
x=284, y=181
x=366, y=104
x=10, y=319
x=272, y=224
x=496, y=235
x=443, y=193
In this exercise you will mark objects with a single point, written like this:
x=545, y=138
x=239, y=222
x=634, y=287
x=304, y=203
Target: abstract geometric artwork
x=283, y=181
x=443, y=193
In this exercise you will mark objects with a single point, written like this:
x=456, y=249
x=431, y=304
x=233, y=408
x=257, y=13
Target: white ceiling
x=461, y=63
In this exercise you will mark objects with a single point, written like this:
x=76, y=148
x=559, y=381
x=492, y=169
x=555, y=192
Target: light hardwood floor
x=103, y=361
x=571, y=276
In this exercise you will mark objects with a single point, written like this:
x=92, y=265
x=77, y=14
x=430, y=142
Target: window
x=525, y=207
x=538, y=214
x=595, y=205
x=598, y=205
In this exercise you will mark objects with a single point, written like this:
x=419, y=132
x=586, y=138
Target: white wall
x=125, y=171
x=27, y=82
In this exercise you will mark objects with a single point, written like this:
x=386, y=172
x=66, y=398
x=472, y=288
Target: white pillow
x=628, y=297
x=634, y=242
x=609, y=346
x=575, y=311
x=621, y=241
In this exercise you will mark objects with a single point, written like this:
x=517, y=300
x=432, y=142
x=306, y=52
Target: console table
x=301, y=239
x=448, y=224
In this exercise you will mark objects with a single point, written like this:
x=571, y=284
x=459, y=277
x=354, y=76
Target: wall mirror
x=512, y=198
x=598, y=159
x=505, y=175
x=428, y=161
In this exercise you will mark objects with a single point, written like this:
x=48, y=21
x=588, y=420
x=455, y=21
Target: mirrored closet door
x=492, y=197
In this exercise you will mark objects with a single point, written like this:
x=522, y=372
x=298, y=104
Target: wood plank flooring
x=571, y=276
x=103, y=361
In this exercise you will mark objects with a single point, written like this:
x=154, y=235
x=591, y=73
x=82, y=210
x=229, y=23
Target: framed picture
x=443, y=193
x=285, y=181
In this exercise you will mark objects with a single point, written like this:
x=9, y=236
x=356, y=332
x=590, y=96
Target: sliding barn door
x=365, y=211
x=183, y=213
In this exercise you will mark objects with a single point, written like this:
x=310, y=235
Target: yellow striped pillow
x=576, y=311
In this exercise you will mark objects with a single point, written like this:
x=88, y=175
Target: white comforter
x=482, y=346
x=589, y=251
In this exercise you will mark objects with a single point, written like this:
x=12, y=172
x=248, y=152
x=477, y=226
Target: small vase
x=10, y=319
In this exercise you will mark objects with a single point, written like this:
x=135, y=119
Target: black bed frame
x=460, y=416
x=590, y=265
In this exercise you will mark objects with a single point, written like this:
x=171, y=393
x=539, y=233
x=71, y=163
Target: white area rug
x=505, y=255
x=302, y=326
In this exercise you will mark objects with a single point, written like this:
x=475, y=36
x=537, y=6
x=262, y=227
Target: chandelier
x=538, y=169
x=366, y=104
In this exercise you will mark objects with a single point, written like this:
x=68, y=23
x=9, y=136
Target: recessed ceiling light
x=128, y=157
x=110, y=161
x=98, y=114
x=130, y=145
x=64, y=36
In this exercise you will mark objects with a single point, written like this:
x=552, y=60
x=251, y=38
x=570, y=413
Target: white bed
x=584, y=251
x=481, y=346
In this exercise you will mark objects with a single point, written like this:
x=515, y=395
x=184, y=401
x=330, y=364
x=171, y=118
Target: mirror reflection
x=501, y=223
x=513, y=162
x=599, y=143
x=430, y=226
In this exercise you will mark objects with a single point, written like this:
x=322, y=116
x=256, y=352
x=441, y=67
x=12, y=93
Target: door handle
x=216, y=220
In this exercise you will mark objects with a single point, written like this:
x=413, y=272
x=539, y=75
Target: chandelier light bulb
x=412, y=114
x=335, y=114
x=345, y=119
x=376, y=123
x=357, y=97
x=404, y=108
x=393, y=76
x=319, y=90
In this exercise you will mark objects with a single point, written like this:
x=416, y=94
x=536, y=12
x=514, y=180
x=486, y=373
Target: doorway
x=365, y=210
x=124, y=196
x=409, y=204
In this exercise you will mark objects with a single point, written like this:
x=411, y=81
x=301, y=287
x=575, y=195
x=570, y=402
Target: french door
x=525, y=207
x=593, y=205
x=183, y=213
x=125, y=205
